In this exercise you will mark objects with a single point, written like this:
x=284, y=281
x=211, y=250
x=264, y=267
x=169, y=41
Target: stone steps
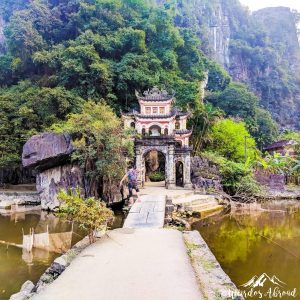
x=202, y=207
x=193, y=198
x=181, y=197
x=204, y=204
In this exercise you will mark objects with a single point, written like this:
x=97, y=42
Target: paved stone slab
x=148, y=213
x=129, y=264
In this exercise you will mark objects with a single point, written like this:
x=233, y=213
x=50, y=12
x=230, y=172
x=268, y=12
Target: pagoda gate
x=161, y=127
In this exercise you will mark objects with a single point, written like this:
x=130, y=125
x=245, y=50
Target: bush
x=248, y=185
x=233, y=175
x=228, y=140
x=157, y=176
x=90, y=214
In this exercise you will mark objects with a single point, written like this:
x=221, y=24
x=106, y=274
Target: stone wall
x=272, y=181
x=213, y=281
x=205, y=174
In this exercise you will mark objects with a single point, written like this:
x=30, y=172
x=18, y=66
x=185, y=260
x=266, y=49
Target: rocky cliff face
x=210, y=20
x=2, y=24
x=49, y=154
x=260, y=50
x=269, y=62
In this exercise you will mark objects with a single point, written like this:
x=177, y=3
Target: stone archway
x=168, y=151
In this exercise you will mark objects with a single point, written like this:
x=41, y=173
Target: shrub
x=157, y=176
x=233, y=175
x=248, y=185
x=228, y=140
x=90, y=214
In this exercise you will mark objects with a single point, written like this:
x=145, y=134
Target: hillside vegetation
x=65, y=62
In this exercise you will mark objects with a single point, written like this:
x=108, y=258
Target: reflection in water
x=18, y=265
x=251, y=243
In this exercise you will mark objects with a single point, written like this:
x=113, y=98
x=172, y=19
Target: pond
x=251, y=243
x=16, y=264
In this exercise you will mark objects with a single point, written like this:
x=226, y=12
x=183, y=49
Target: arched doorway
x=155, y=130
x=155, y=164
x=179, y=174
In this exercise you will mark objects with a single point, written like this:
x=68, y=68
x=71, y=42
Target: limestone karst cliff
x=2, y=24
x=265, y=54
x=259, y=49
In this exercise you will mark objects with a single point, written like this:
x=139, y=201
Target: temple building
x=162, y=139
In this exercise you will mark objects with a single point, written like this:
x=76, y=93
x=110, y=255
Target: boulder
x=25, y=291
x=205, y=174
x=47, y=150
x=51, y=181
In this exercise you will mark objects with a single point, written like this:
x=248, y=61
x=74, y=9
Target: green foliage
x=27, y=109
x=90, y=214
x=281, y=164
x=157, y=176
x=103, y=49
x=233, y=174
x=100, y=141
x=228, y=139
x=68, y=52
x=201, y=121
x=237, y=101
x=290, y=135
x=267, y=128
x=247, y=185
x=218, y=78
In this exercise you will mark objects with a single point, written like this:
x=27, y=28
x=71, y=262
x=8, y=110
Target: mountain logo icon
x=260, y=281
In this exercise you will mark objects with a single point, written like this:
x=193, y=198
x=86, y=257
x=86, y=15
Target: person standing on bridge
x=132, y=176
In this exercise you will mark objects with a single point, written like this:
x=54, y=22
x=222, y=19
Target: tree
x=101, y=144
x=23, y=38
x=201, y=121
x=218, y=78
x=267, y=128
x=237, y=101
x=232, y=140
x=27, y=109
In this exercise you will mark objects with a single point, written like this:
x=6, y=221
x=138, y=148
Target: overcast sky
x=257, y=4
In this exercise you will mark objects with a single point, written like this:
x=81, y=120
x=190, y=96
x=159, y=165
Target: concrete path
x=129, y=264
x=148, y=213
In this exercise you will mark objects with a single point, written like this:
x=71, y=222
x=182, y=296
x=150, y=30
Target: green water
x=252, y=243
x=16, y=265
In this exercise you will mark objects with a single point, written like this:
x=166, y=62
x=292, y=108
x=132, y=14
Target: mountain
x=262, y=280
x=259, y=49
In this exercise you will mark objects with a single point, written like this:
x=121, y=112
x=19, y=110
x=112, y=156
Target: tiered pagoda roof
x=155, y=95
